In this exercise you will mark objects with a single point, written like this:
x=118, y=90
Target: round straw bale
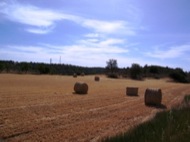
x=132, y=91
x=97, y=78
x=81, y=88
x=74, y=75
x=82, y=74
x=153, y=96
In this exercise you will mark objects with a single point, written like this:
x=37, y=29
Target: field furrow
x=45, y=108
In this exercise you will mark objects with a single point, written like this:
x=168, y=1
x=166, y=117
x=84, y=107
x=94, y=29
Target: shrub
x=112, y=75
x=179, y=76
x=136, y=72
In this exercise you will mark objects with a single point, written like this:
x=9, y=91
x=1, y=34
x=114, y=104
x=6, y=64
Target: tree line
x=139, y=73
x=111, y=70
x=44, y=68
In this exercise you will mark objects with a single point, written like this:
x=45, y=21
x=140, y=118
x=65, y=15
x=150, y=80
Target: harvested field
x=45, y=108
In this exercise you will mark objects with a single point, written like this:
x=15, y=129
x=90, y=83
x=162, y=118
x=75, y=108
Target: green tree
x=43, y=69
x=112, y=68
x=24, y=67
x=1, y=67
x=136, y=71
x=154, y=69
x=179, y=75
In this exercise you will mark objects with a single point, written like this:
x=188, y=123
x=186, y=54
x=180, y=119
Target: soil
x=45, y=108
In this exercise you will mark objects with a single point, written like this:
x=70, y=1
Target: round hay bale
x=153, y=96
x=81, y=88
x=97, y=78
x=82, y=74
x=132, y=91
x=75, y=75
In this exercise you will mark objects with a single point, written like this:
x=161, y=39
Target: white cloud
x=83, y=51
x=108, y=26
x=93, y=46
x=92, y=35
x=92, y=40
x=98, y=46
x=172, y=52
x=40, y=17
x=24, y=49
x=39, y=30
x=112, y=41
x=89, y=56
x=30, y=15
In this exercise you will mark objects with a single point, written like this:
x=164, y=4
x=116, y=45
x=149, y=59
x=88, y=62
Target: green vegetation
x=179, y=75
x=186, y=100
x=167, y=126
x=136, y=72
x=42, y=68
x=111, y=70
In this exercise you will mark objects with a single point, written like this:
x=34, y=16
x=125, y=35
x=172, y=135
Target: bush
x=136, y=72
x=112, y=75
x=1, y=67
x=179, y=76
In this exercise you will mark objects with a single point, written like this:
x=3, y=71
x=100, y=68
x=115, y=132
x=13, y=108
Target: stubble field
x=45, y=108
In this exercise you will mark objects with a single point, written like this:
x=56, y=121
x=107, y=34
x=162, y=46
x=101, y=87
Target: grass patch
x=187, y=99
x=167, y=126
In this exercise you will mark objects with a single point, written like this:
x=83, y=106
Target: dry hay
x=66, y=117
x=81, y=88
x=153, y=96
x=97, y=78
x=132, y=91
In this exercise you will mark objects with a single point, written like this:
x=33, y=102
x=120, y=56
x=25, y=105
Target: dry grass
x=44, y=108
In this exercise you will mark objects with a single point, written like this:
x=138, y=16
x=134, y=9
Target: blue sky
x=90, y=32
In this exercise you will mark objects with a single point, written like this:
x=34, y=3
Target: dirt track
x=44, y=108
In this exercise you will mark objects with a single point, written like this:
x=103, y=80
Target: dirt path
x=44, y=108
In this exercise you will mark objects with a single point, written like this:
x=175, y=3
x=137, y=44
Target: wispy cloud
x=23, y=49
x=97, y=46
x=41, y=20
x=93, y=53
x=39, y=30
x=30, y=15
x=89, y=47
x=24, y=53
x=109, y=26
x=92, y=35
x=84, y=51
x=45, y=19
x=171, y=52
